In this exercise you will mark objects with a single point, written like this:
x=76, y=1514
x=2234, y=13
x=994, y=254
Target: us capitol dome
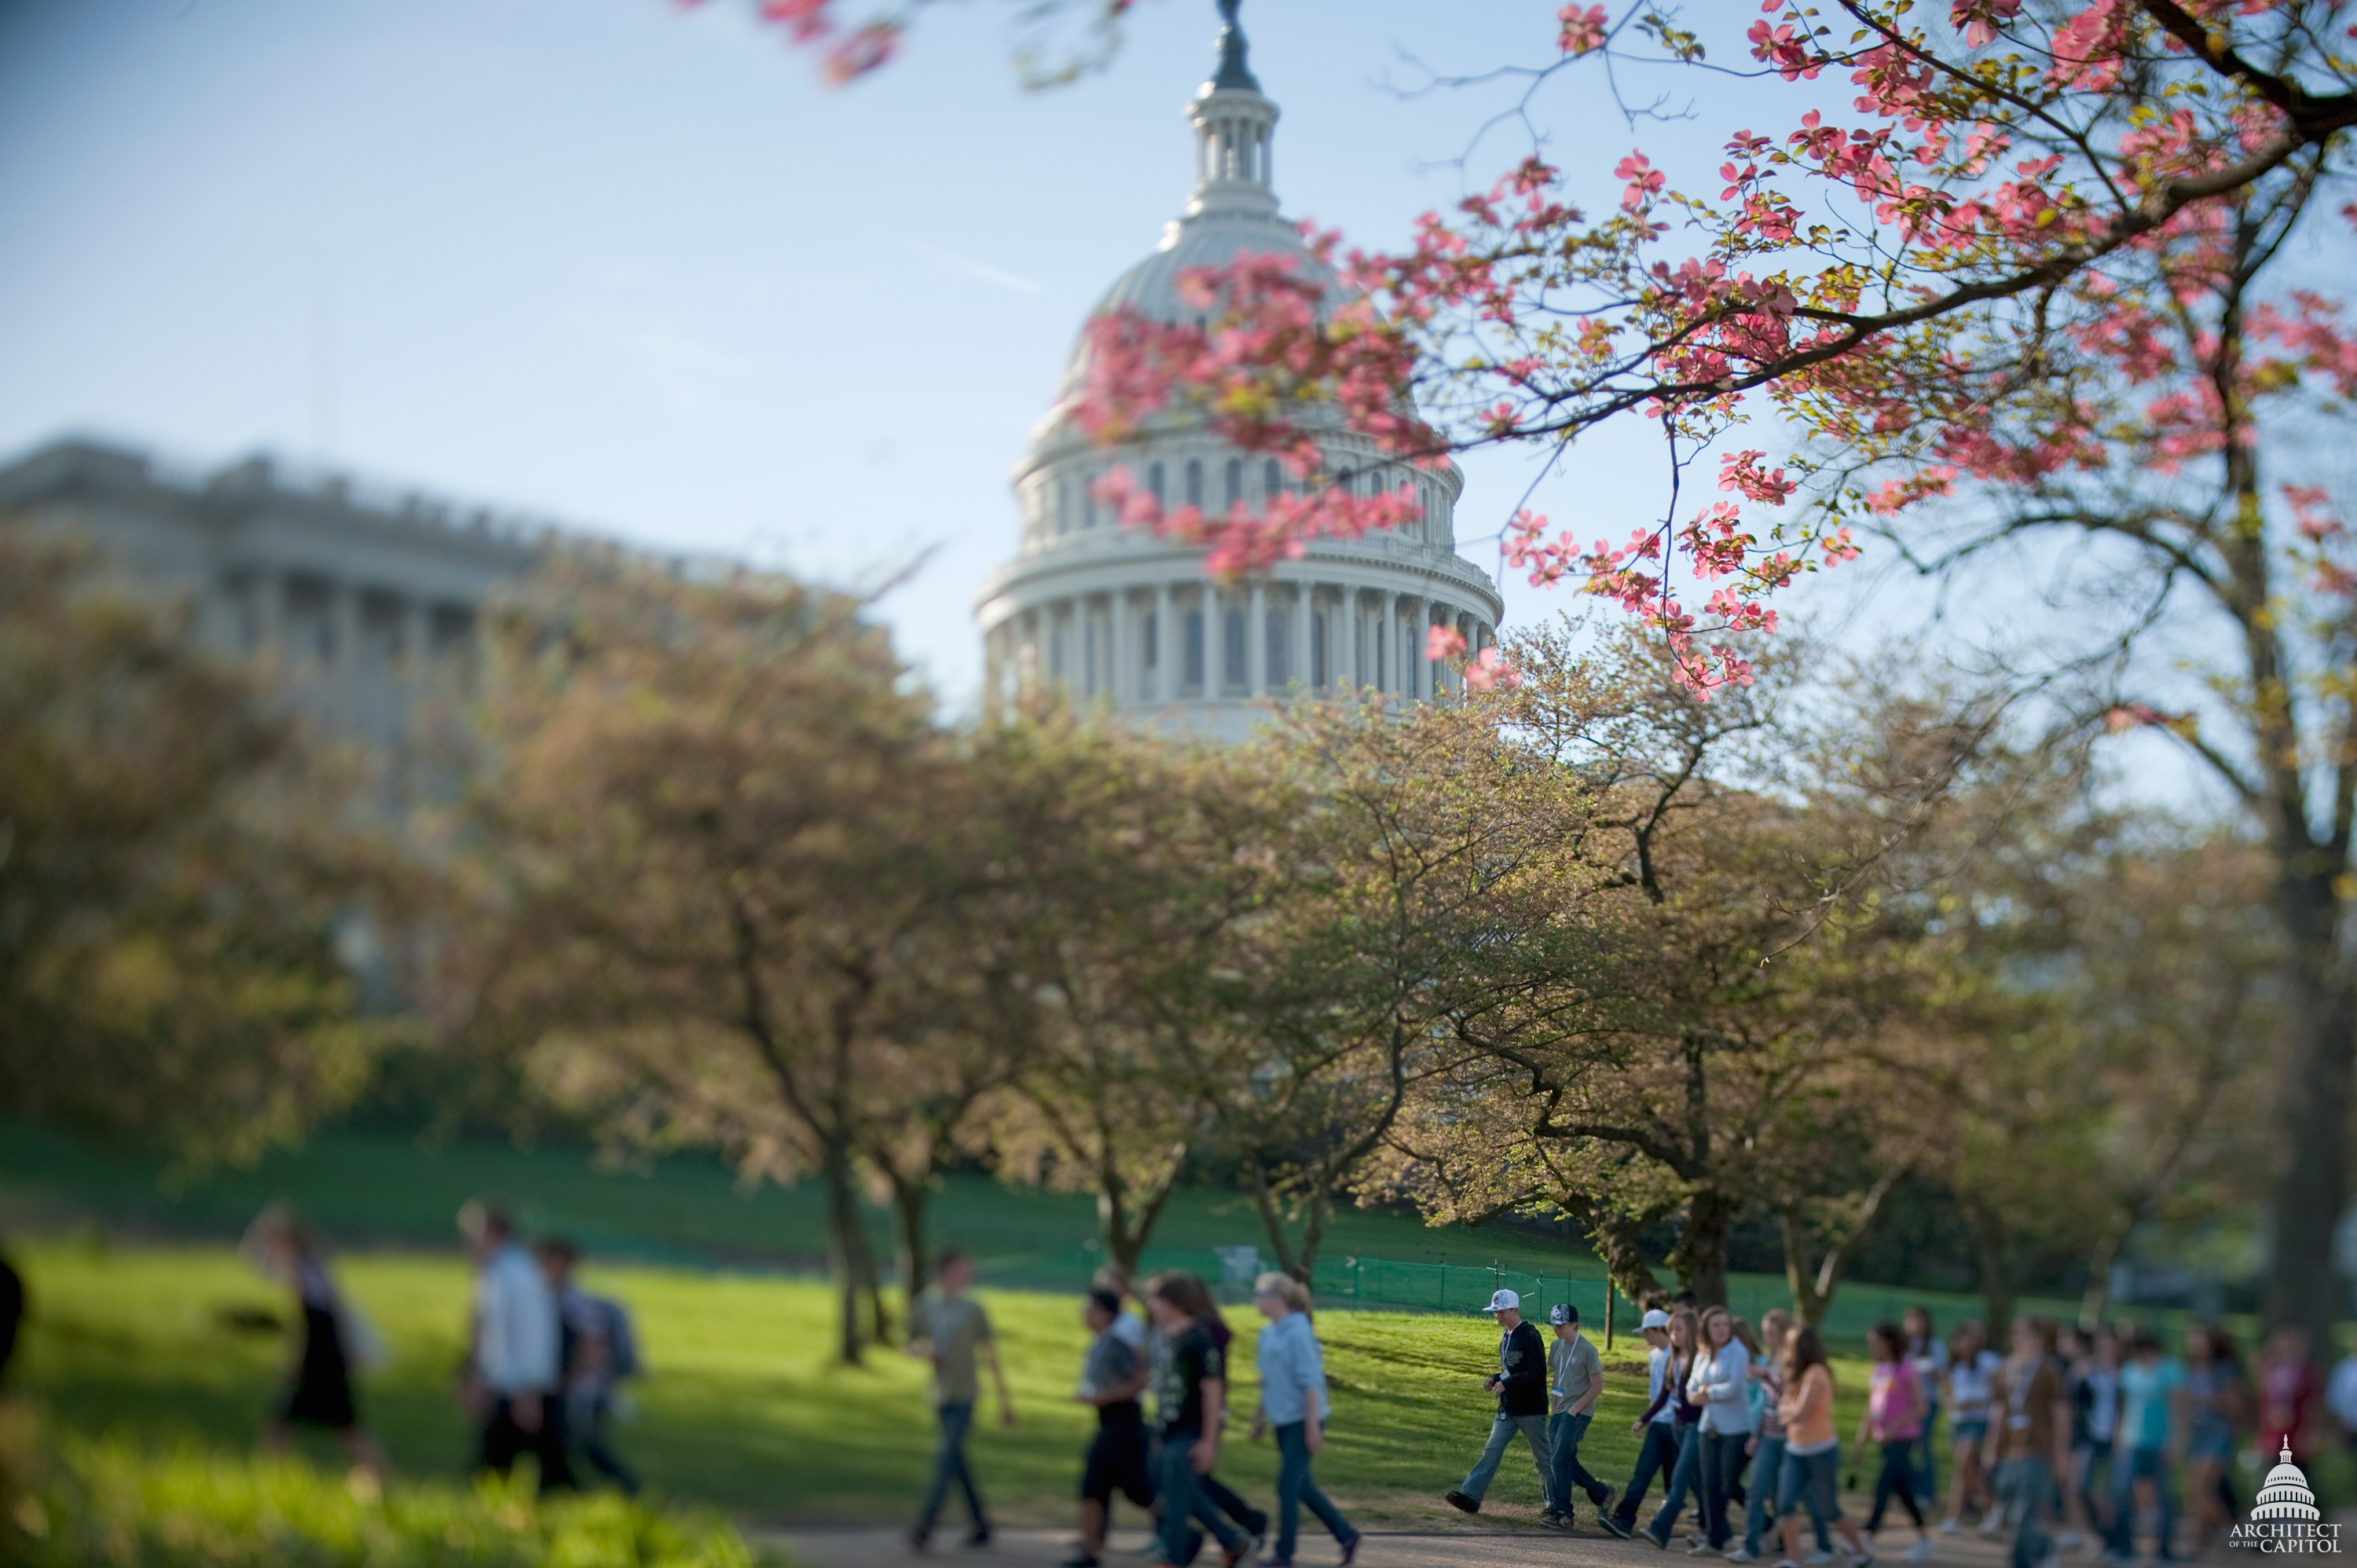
x=1118, y=617
x=2286, y=1494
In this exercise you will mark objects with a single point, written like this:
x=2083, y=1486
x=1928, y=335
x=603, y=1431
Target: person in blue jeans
x=1930, y=1354
x=1520, y=1384
x=1293, y=1403
x=1686, y=1417
x=1717, y=1391
x=1574, y=1379
x=2152, y=1392
x=952, y=1332
x=1190, y=1399
x=1768, y=1441
x=1657, y=1450
x=1812, y=1450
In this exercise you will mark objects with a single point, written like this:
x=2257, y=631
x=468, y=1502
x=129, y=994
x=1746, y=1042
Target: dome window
x=1235, y=483
x=1278, y=624
x=1194, y=482
x=1063, y=507
x=1234, y=668
x=1195, y=651
x=1154, y=482
x=1271, y=481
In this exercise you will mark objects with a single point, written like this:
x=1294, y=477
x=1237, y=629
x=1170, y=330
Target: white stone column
x=1304, y=606
x=344, y=615
x=1124, y=661
x=1350, y=657
x=1424, y=667
x=1256, y=640
x=1166, y=648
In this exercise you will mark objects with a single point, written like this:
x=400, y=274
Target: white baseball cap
x=1656, y=1318
x=1504, y=1300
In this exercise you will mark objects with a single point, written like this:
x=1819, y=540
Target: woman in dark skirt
x=320, y=1394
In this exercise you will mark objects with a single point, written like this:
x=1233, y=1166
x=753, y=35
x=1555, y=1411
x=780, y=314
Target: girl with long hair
x=1812, y=1467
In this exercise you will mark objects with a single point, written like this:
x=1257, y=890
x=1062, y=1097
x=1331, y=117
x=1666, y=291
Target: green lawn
x=363, y=1189
x=742, y=1410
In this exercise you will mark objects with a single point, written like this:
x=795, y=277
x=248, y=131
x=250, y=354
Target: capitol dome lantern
x=1117, y=616
x=2286, y=1494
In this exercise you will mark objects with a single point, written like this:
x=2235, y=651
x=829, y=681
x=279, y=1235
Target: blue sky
x=627, y=263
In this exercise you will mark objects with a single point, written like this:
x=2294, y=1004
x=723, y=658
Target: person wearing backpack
x=598, y=1349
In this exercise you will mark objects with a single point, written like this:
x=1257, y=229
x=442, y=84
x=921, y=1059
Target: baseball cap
x=1656, y=1318
x=1503, y=1300
x=1562, y=1312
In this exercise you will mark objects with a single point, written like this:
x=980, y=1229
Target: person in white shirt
x=1720, y=1386
x=1658, y=1452
x=512, y=1385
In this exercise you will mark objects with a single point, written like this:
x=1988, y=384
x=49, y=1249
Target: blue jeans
x=1178, y=1491
x=1927, y=1470
x=1657, y=1451
x=1721, y=1462
x=1768, y=1496
x=1294, y=1489
x=2024, y=1487
x=1563, y=1434
x=1812, y=1478
x=2127, y=1464
x=2091, y=1455
x=950, y=1465
x=1685, y=1480
x=1534, y=1429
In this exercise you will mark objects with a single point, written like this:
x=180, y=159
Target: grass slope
x=742, y=1410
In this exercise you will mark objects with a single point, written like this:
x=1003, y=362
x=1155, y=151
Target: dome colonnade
x=1114, y=614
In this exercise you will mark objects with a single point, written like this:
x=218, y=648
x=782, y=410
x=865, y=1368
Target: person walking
x=1719, y=1389
x=1768, y=1439
x=1574, y=1380
x=1686, y=1475
x=952, y=1333
x=512, y=1385
x=1292, y=1404
x=320, y=1392
x=2152, y=1397
x=2095, y=1400
x=1811, y=1468
x=594, y=1352
x=1520, y=1384
x=1893, y=1420
x=2216, y=1401
x=1112, y=1375
x=1190, y=1402
x=1657, y=1449
x=2340, y=1399
x=2030, y=1437
x=1930, y=1354
x=1972, y=1371
x=1196, y=1297
x=2288, y=1391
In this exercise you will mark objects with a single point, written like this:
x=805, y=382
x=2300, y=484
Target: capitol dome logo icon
x=2285, y=1517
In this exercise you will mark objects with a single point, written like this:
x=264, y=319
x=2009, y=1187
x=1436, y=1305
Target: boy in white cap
x=1658, y=1452
x=1521, y=1387
x=1574, y=1379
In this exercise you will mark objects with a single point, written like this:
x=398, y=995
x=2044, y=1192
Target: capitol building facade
x=1119, y=619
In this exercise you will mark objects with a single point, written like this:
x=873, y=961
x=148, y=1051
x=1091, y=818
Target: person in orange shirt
x=1812, y=1467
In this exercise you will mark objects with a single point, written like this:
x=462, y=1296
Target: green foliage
x=108, y=1503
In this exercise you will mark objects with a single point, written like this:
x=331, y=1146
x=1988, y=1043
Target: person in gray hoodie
x=1293, y=1403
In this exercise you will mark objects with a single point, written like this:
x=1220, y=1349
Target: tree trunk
x=1613, y=1234
x=908, y=1200
x=1701, y=1254
x=1813, y=1291
x=847, y=1245
x=2312, y=1108
x=1301, y=1262
x=1989, y=1248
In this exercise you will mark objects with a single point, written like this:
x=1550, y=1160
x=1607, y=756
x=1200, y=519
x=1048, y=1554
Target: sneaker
x=2069, y=1541
x=1611, y=1524
x=1349, y=1550
x=1743, y=1554
x=980, y=1536
x=1702, y=1549
x=1462, y=1503
x=1992, y=1521
x=1554, y=1520
x=1922, y=1551
x=1660, y=1540
x=920, y=1539
x=1601, y=1501
x=1951, y=1527
x=1693, y=1537
x=1817, y=1559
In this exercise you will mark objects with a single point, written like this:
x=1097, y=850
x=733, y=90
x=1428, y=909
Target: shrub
x=107, y=1503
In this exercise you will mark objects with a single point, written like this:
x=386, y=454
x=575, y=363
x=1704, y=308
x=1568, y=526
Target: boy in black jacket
x=1520, y=1388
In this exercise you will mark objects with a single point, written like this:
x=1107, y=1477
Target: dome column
x=1166, y=646
x=1124, y=687
x=1256, y=640
x=1304, y=608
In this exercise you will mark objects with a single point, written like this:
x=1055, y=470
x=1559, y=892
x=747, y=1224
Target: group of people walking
x=544, y=1369
x=1176, y=1348
x=2064, y=1440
